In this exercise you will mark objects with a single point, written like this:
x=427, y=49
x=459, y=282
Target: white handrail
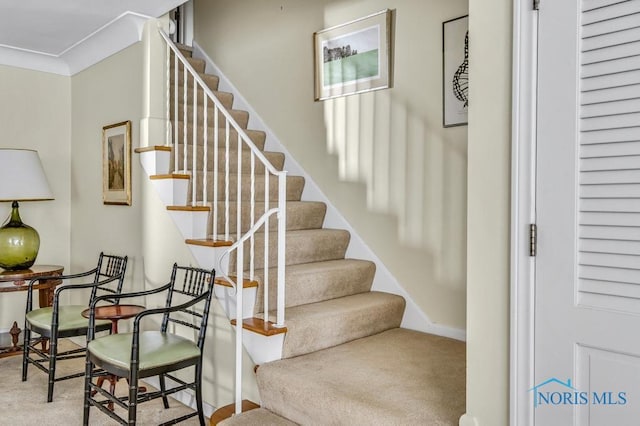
x=222, y=216
x=246, y=139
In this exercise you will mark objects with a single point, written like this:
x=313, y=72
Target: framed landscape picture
x=455, y=71
x=116, y=163
x=354, y=57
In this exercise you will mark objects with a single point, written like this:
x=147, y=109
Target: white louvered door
x=587, y=291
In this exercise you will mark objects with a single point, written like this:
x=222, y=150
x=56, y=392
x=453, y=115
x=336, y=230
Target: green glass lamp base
x=19, y=243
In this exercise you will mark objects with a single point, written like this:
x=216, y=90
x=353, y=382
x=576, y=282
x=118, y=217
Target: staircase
x=336, y=354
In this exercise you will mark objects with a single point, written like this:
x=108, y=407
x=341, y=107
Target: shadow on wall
x=411, y=171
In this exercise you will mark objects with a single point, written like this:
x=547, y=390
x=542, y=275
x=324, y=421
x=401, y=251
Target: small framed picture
x=116, y=163
x=354, y=57
x=455, y=71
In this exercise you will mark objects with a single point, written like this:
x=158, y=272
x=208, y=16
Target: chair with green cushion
x=155, y=351
x=61, y=321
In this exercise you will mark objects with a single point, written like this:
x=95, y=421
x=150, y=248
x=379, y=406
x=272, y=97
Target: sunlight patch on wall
x=410, y=170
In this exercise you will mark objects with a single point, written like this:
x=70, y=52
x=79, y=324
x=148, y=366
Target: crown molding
x=112, y=37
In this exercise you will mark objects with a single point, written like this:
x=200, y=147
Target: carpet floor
x=24, y=403
x=397, y=377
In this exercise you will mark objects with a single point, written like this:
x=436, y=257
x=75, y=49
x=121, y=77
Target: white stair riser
x=155, y=162
x=192, y=225
x=209, y=257
x=172, y=192
x=227, y=298
x=262, y=349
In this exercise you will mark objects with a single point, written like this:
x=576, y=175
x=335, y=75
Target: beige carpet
x=397, y=377
x=24, y=403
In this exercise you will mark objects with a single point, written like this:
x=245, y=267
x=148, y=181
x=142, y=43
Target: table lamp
x=22, y=178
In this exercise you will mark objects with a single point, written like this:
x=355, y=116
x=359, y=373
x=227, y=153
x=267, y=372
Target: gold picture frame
x=355, y=57
x=116, y=163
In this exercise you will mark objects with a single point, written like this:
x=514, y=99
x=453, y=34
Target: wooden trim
x=152, y=148
x=229, y=410
x=170, y=176
x=257, y=325
x=189, y=208
x=208, y=242
x=246, y=283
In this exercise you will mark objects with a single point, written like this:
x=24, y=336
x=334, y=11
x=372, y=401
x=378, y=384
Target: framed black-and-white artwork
x=355, y=57
x=455, y=71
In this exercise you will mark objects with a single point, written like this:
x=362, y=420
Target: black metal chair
x=141, y=354
x=61, y=321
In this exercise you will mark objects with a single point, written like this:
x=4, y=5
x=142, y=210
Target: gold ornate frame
x=116, y=163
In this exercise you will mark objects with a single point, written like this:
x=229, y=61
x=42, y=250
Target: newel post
x=153, y=124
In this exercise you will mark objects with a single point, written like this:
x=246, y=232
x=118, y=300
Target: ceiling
x=62, y=36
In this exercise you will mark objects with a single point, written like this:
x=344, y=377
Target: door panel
x=588, y=214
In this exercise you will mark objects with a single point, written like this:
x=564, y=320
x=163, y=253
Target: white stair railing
x=186, y=160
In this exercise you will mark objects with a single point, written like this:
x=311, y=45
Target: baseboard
x=467, y=420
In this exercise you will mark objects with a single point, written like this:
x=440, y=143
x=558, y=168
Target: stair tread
x=258, y=137
x=295, y=186
x=210, y=108
x=343, y=319
x=256, y=416
x=302, y=246
x=258, y=325
x=339, y=305
x=318, y=281
x=246, y=282
x=276, y=159
x=208, y=242
x=197, y=63
x=398, y=376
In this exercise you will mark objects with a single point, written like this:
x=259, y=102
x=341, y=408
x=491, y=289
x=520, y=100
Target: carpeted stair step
x=241, y=117
x=397, y=377
x=197, y=63
x=211, y=81
x=258, y=137
x=302, y=246
x=225, y=98
x=295, y=185
x=259, y=416
x=187, y=51
x=275, y=158
x=317, y=281
x=300, y=215
x=316, y=326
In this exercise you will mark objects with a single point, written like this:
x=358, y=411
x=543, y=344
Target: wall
x=489, y=213
x=106, y=93
x=402, y=187
x=35, y=113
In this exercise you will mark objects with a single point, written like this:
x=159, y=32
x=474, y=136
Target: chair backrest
x=189, y=283
x=110, y=271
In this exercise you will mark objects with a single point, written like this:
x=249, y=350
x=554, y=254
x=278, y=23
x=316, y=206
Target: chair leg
x=25, y=353
x=133, y=400
x=163, y=388
x=199, y=393
x=53, y=349
x=87, y=391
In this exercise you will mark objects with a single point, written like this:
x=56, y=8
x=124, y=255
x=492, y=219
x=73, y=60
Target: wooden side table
x=19, y=281
x=114, y=313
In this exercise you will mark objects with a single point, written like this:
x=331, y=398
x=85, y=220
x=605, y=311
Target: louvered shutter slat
x=609, y=155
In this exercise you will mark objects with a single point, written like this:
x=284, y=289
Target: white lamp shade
x=22, y=177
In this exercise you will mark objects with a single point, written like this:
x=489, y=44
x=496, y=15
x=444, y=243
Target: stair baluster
x=200, y=180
